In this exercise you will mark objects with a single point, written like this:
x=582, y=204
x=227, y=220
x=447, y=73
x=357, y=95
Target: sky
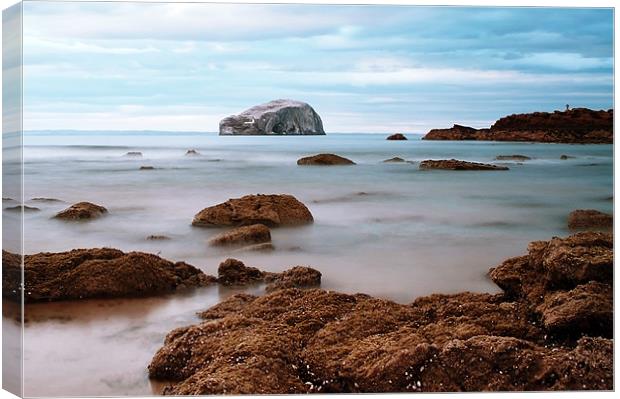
x=184, y=67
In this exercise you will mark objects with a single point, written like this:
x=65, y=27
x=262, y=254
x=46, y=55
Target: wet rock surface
x=270, y=210
x=589, y=219
x=278, y=117
x=82, y=211
x=396, y=136
x=455, y=164
x=305, y=341
x=242, y=236
x=96, y=273
x=579, y=125
x=325, y=160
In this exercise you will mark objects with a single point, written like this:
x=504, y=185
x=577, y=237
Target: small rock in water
x=81, y=211
x=512, y=158
x=396, y=136
x=25, y=208
x=324, y=160
x=455, y=164
x=44, y=199
x=394, y=160
x=133, y=154
x=156, y=237
x=147, y=167
x=565, y=157
x=192, y=152
x=589, y=219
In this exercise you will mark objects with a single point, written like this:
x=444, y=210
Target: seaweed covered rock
x=82, y=211
x=96, y=273
x=270, y=210
x=278, y=117
x=455, y=164
x=324, y=160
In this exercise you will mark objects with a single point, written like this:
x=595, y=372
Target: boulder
x=324, y=160
x=278, y=117
x=235, y=272
x=82, y=211
x=96, y=273
x=454, y=164
x=589, y=219
x=396, y=136
x=241, y=236
x=271, y=210
x=394, y=160
x=296, y=277
x=514, y=157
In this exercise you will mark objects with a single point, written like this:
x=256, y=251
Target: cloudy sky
x=363, y=68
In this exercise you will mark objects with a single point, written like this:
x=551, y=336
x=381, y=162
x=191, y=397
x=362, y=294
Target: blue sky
x=363, y=68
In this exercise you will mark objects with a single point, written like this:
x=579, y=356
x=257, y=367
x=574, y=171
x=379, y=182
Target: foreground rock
x=242, y=236
x=271, y=210
x=82, y=211
x=579, y=125
x=547, y=332
x=454, y=164
x=396, y=136
x=96, y=273
x=515, y=157
x=235, y=272
x=582, y=219
x=278, y=117
x=324, y=160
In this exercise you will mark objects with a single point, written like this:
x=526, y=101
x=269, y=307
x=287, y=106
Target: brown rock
x=396, y=136
x=454, y=164
x=394, y=160
x=234, y=272
x=515, y=157
x=244, y=235
x=96, y=273
x=271, y=210
x=589, y=219
x=579, y=125
x=587, y=308
x=81, y=211
x=264, y=247
x=325, y=160
x=297, y=277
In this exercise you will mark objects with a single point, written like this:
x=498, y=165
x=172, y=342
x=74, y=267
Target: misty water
x=389, y=230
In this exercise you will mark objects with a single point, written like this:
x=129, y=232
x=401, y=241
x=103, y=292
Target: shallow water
x=389, y=230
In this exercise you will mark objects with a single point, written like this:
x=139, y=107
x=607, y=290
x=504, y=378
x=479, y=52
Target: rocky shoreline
x=551, y=329
x=577, y=126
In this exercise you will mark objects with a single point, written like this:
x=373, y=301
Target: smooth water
x=389, y=230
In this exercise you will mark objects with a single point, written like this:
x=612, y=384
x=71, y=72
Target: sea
x=390, y=230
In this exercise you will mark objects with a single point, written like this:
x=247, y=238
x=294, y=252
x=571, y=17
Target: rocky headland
x=579, y=126
x=550, y=329
x=278, y=117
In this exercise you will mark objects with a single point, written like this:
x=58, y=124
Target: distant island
x=278, y=117
x=579, y=126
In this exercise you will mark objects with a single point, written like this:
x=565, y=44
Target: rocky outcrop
x=546, y=332
x=271, y=210
x=324, y=160
x=396, y=136
x=514, y=157
x=278, y=117
x=82, y=211
x=579, y=125
x=455, y=164
x=242, y=236
x=95, y=273
x=583, y=219
x=234, y=272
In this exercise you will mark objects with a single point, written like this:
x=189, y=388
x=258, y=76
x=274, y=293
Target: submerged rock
x=192, y=152
x=454, y=164
x=589, y=219
x=396, y=136
x=44, y=199
x=147, y=167
x=157, y=237
x=96, y=273
x=24, y=208
x=82, y=211
x=317, y=341
x=235, y=272
x=244, y=235
x=565, y=157
x=271, y=210
x=135, y=154
x=278, y=117
x=515, y=157
x=394, y=160
x=324, y=159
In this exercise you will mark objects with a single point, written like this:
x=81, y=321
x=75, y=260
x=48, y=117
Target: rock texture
x=241, y=236
x=96, y=273
x=271, y=210
x=546, y=332
x=324, y=160
x=82, y=211
x=579, y=125
x=278, y=117
x=396, y=136
x=582, y=219
x=454, y=164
